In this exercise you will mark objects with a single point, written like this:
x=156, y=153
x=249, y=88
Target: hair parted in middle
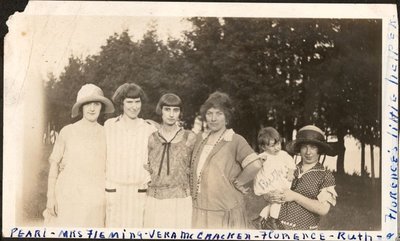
x=127, y=90
x=169, y=99
x=219, y=100
x=80, y=113
x=267, y=134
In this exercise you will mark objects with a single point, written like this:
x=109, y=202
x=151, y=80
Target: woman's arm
x=248, y=174
x=51, y=197
x=314, y=206
x=55, y=165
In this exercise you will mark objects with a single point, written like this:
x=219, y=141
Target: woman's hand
x=289, y=195
x=241, y=188
x=52, y=206
x=312, y=205
x=274, y=197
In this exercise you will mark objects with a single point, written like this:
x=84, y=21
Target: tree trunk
x=371, y=147
x=380, y=164
x=284, y=128
x=362, y=159
x=341, y=151
x=309, y=102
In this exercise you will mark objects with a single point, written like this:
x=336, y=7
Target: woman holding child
x=313, y=189
x=216, y=176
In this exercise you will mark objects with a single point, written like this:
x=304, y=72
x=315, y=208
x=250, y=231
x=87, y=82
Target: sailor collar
x=318, y=167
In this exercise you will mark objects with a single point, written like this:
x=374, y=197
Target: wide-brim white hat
x=91, y=93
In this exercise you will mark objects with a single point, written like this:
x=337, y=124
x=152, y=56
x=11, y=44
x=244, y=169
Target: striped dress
x=125, y=173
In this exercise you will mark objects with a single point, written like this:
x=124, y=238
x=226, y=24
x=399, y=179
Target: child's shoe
x=272, y=224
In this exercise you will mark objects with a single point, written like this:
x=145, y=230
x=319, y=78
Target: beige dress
x=81, y=151
x=217, y=204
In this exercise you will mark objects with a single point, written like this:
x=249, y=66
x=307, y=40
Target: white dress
x=273, y=175
x=80, y=150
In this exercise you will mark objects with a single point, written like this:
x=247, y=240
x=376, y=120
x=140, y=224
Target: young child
x=275, y=175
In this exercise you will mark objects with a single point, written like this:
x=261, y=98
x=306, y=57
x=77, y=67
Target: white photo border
x=17, y=85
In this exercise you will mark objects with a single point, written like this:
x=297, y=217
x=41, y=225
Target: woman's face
x=170, y=115
x=215, y=119
x=91, y=111
x=309, y=153
x=132, y=107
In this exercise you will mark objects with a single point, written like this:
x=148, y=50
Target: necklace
x=199, y=177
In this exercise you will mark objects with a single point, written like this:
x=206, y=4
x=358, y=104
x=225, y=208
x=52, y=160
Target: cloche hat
x=90, y=93
x=313, y=135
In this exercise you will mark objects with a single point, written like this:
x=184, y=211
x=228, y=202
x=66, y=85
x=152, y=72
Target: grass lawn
x=358, y=205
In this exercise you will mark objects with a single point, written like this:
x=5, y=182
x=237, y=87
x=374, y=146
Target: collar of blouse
x=228, y=135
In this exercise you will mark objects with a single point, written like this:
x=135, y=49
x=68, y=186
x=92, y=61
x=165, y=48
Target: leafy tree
x=200, y=52
x=350, y=101
x=155, y=66
x=58, y=93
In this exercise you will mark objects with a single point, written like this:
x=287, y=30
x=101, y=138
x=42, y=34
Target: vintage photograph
x=193, y=117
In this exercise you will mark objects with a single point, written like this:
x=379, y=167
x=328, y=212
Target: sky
x=55, y=38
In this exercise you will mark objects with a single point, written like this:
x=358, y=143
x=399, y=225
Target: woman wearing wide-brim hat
x=75, y=196
x=313, y=190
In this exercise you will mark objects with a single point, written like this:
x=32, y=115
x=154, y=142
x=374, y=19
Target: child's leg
x=275, y=209
x=265, y=212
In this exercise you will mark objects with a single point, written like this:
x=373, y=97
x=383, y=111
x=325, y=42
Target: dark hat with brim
x=310, y=135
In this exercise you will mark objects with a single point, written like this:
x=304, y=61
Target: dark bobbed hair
x=267, y=134
x=220, y=101
x=168, y=99
x=127, y=90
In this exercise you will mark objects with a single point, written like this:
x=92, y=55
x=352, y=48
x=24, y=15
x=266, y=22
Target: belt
x=115, y=190
x=167, y=192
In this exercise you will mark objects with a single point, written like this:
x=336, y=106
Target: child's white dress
x=273, y=175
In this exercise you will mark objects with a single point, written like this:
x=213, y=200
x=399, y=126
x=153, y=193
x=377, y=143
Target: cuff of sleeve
x=328, y=194
x=249, y=159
